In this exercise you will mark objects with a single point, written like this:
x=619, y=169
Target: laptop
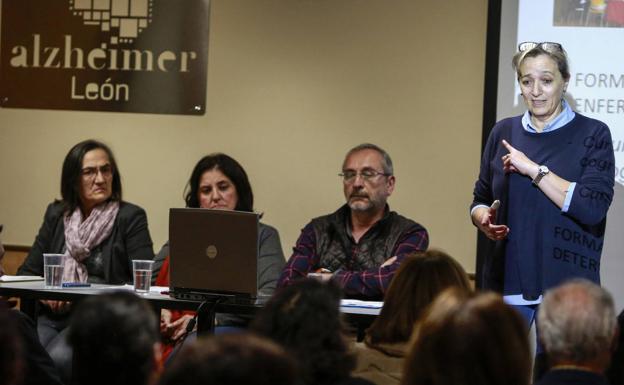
x=212, y=254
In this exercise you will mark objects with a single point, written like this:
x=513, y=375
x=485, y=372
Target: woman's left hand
x=516, y=161
x=178, y=327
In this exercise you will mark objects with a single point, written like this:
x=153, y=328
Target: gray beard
x=361, y=207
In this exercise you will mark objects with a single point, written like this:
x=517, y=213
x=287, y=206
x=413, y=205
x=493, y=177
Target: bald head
x=577, y=322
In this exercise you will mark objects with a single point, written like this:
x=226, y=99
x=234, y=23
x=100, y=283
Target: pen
x=76, y=284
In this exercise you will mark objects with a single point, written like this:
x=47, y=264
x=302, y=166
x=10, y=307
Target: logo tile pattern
x=105, y=55
x=124, y=19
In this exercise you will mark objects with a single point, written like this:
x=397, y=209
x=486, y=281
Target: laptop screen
x=212, y=252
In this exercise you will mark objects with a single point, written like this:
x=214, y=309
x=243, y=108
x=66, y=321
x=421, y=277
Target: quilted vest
x=337, y=250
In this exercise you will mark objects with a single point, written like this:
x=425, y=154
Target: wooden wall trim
x=26, y=249
x=20, y=248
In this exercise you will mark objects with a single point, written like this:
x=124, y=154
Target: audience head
x=469, y=339
x=304, y=318
x=615, y=372
x=114, y=337
x=90, y=176
x=577, y=324
x=417, y=282
x=231, y=359
x=11, y=364
x=219, y=181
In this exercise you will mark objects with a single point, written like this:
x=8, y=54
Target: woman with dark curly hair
x=305, y=319
x=218, y=181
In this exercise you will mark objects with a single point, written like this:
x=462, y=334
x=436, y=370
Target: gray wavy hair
x=386, y=161
x=577, y=321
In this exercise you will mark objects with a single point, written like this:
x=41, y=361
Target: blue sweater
x=546, y=246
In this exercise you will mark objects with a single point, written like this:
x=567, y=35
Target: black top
x=111, y=261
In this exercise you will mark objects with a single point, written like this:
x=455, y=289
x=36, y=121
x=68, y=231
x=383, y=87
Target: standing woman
x=99, y=233
x=553, y=171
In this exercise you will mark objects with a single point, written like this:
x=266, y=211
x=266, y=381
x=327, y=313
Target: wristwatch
x=542, y=171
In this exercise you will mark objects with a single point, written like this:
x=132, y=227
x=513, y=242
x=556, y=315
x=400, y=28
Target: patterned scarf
x=82, y=236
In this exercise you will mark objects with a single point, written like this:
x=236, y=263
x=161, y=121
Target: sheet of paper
x=153, y=289
x=358, y=303
x=20, y=278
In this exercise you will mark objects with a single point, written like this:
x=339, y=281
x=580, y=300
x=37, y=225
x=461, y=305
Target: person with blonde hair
x=552, y=172
x=469, y=339
x=417, y=282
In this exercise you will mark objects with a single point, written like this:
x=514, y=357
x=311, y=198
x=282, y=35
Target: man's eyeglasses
x=547, y=46
x=349, y=176
x=89, y=173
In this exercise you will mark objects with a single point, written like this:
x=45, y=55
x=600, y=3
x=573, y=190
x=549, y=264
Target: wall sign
x=105, y=55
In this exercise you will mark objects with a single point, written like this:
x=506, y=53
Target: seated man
x=577, y=325
x=362, y=244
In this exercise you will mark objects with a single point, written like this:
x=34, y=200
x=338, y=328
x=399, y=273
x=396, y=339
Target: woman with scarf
x=99, y=234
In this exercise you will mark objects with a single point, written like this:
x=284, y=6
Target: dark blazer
x=129, y=239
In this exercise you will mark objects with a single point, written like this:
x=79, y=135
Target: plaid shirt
x=370, y=283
